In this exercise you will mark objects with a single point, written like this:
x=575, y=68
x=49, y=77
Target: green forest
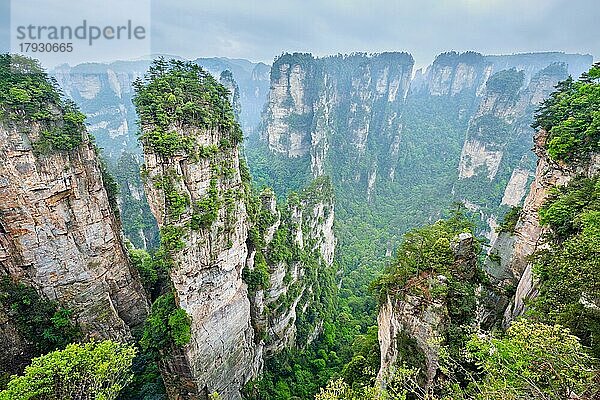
x=430, y=259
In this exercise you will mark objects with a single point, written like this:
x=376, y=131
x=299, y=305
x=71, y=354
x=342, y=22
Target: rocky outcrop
x=528, y=234
x=242, y=267
x=295, y=287
x=207, y=271
x=233, y=328
x=226, y=79
x=59, y=234
x=290, y=105
x=104, y=93
x=451, y=73
x=498, y=133
x=139, y=225
x=412, y=313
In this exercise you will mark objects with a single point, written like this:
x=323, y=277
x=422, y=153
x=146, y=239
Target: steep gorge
x=406, y=143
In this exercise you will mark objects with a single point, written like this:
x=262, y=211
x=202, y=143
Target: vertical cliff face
x=528, y=234
x=207, y=276
x=104, y=94
x=413, y=321
x=452, y=73
x=496, y=152
x=66, y=240
x=290, y=105
x=297, y=250
x=58, y=230
x=138, y=222
x=241, y=266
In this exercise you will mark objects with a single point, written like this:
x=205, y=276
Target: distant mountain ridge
x=406, y=144
x=104, y=92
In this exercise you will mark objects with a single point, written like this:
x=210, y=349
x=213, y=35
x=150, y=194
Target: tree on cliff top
x=571, y=116
x=174, y=95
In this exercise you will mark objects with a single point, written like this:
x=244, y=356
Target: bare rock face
x=233, y=328
x=207, y=275
x=290, y=106
x=294, y=285
x=59, y=234
x=421, y=317
x=451, y=73
x=497, y=147
x=104, y=93
x=528, y=232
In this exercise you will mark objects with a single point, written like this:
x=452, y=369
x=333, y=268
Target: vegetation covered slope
x=550, y=353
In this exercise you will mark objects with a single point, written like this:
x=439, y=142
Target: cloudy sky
x=261, y=29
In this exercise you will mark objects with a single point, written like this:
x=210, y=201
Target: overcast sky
x=259, y=30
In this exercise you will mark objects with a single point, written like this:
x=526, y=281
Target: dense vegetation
x=571, y=116
x=175, y=94
x=94, y=370
x=296, y=372
x=569, y=268
x=47, y=325
x=535, y=358
x=27, y=94
x=369, y=226
x=530, y=361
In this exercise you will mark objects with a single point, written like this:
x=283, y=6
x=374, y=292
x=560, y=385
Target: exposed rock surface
x=420, y=317
x=528, y=233
x=497, y=146
x=59, y=234
x=233, y=330
x=226, y=79
x=309, y=96
x=207, y=275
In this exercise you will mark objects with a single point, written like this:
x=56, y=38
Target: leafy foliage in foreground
x=94, y=371
x=509, y=221
x=531, y=361
x=43, y=322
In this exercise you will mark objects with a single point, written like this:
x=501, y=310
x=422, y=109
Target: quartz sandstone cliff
x=233, y=328
x=207, y=271
x=59, y=234
x=420, y=317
